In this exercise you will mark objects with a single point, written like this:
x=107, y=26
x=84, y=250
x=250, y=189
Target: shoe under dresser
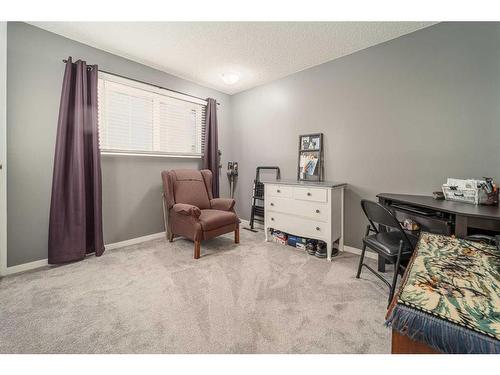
x=306, y=208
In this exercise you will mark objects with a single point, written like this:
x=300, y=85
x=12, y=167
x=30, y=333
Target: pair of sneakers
x=316, y=248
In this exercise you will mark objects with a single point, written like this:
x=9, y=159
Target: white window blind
x=143, y=119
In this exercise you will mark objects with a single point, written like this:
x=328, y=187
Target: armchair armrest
x=186, y=209
x=223, y=204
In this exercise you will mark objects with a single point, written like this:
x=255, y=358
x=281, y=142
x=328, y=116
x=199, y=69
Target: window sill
x=151, y=155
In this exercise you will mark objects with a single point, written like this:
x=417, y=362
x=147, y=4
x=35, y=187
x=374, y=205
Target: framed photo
x=310, y=142
x=310, y=161
x=315, y=143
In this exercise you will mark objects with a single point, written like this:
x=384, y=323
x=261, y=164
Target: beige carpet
x=154, y=298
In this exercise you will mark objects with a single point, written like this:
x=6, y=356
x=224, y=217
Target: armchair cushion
x=189, y=187
x=187, y=209
x=223, y=204
x=213, y=219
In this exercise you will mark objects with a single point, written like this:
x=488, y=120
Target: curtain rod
x=150, y=84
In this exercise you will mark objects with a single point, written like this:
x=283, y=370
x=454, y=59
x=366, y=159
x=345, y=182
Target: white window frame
x=103, y=76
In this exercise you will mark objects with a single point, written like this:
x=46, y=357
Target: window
x=139, y=118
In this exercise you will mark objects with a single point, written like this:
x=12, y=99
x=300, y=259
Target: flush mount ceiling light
x=230, y=78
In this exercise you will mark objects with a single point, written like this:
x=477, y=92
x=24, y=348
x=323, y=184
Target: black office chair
x=395, y=246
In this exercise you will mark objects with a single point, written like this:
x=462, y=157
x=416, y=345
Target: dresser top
x=290, y=181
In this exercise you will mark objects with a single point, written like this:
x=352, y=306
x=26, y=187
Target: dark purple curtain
x=211, y=156
x=75, y=226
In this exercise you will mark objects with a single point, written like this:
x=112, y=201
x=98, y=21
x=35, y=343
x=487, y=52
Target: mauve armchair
x=190, y=210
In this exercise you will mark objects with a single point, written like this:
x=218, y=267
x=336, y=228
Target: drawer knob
x=272, y=219
x=308, y=194
x=278, y=191
x=317, y=211
x=272, y=204
x=317, y=228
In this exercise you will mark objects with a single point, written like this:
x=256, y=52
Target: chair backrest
x=377, y=213
x=188, y=186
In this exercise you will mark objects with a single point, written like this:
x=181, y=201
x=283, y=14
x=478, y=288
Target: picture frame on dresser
x=310, y=157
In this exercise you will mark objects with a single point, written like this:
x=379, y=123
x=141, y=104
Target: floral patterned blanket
x=450, y=296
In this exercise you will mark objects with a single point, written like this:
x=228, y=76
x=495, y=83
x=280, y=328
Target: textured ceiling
x=259, y=52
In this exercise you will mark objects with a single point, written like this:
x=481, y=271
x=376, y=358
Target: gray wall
x=397, y=117
x=131, y=185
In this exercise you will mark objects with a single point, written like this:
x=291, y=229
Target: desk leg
x=461, y=226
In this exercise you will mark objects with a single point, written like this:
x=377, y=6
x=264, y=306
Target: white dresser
x=306, y=209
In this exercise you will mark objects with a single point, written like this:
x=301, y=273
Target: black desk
x=447, y=217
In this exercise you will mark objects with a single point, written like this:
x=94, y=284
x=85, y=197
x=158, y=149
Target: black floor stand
x=257, y=212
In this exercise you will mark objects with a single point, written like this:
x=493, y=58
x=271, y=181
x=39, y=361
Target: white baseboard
x=44, y=262
x=246, y=223
x=355, y=250
x=26, y=267
x=134, y=241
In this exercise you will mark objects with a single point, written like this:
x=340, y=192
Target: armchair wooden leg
x=197, y=249
x=170, y=237
x=237, y=235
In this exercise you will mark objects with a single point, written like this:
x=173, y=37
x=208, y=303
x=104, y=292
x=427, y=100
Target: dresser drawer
x=279, y=191
x=310, y=194
x=296, y=225
x=311, y=210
